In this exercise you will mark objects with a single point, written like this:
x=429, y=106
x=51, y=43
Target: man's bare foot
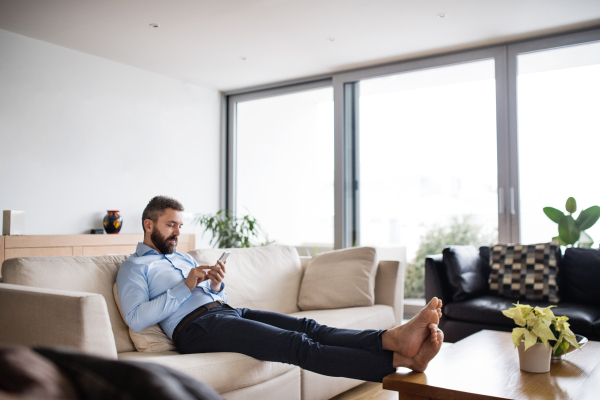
x=426, y=353
x=407, y=339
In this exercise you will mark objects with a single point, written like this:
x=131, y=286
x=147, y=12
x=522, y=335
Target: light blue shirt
x=152, y=289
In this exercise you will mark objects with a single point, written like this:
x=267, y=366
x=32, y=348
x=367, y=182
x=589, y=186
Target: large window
x=559, y=134
x=428, y=155
x=465, y=147
x=285, y=166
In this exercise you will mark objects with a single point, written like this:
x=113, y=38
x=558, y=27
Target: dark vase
x=113, y=222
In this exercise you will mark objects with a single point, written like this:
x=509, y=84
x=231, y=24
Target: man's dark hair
x=157, y=206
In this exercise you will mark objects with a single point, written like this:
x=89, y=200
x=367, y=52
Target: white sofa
x=68, y=301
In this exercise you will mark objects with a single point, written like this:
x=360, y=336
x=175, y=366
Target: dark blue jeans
x=271, y=336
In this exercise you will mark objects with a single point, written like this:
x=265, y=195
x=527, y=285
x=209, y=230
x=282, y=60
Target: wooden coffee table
x=486, y=366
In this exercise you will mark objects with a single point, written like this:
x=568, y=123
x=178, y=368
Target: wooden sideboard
x=78, y=245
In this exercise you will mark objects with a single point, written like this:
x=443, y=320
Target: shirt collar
x=145, y=250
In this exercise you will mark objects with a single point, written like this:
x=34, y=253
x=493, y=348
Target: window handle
x=512, y=201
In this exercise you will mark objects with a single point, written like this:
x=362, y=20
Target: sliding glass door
x=428, y=154
x=284, y=166
x=558, y=104
x=466, y=147
x=428, y=161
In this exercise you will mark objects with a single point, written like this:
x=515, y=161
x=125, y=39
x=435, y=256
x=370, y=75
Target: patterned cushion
x=525, y=272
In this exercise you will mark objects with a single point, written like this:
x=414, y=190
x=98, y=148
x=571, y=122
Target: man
x=157, y=284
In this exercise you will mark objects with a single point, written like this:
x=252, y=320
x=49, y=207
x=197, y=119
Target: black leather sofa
x=459, y=277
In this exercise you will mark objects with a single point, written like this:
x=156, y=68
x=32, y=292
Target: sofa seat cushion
x=374, y=317
x=222, y=371
x=231, y=371
x=487, y=310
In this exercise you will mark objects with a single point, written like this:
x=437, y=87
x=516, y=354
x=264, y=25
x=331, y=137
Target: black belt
x=192, y=315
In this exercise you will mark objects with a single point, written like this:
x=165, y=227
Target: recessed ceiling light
x=441, y=15
x=154, y=25
x=331, y=39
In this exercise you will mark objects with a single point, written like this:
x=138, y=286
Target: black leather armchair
x=467, y=312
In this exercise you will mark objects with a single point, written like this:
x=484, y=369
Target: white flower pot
x=536, y=359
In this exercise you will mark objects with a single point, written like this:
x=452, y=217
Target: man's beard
x=162, y=244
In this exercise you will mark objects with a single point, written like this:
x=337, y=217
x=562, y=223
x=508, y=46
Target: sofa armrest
x=436, y=279
x=33, y=316
x=389, y=287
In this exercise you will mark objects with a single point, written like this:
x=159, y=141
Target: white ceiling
x=203, y=41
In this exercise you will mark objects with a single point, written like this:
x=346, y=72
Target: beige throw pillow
x=339, y=279
x=152, y=339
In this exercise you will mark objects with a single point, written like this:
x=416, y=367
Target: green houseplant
x=571, y=230
x=228, y=230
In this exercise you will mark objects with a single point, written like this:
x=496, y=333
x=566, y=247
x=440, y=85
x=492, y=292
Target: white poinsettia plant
x=540, y=324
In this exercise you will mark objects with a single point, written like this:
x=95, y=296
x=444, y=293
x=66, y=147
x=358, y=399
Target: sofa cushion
x=339, y=279
x=231, y=371
x=596, y=327
x=223, y=371
x=525, y=272
x=91, y=274
x=580, y=276
x=485, y=253
x=374, y=317
x=487, y=310
x=467, y=272
x=151, y=339
x=263, y=278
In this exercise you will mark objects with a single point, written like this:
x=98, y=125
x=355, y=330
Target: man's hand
x=216, y=274
x=196, y=276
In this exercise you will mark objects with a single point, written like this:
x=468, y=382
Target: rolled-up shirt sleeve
x=222, y=295
x=139, y=310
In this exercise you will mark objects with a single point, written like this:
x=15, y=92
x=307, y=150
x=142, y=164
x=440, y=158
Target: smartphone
x=223, y=257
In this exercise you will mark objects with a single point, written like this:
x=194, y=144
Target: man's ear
x=148, y=225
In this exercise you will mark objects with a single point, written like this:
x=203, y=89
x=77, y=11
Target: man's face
x=166, y=231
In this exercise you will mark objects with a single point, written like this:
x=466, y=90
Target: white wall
x=80, y=135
